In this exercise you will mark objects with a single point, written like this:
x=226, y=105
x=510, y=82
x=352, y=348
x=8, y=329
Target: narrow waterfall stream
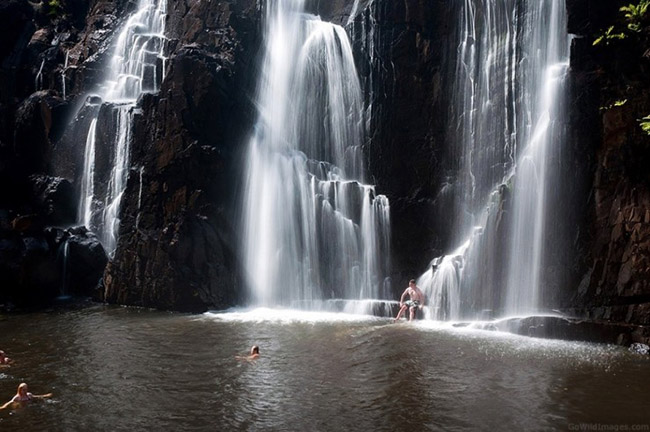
x=507, y=108
x=313, y=229
x=137, y=66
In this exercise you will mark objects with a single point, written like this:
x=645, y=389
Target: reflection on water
x=118, y=368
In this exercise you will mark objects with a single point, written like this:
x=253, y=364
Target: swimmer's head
x=412, y=282
x=255, y=349
x=22, y=389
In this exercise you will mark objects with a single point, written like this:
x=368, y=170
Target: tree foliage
x=609, y=36
x=54, y=8
x=635, y=14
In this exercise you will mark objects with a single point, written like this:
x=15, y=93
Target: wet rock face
x=558, y=327
x=402, y=63
x=34, y=41
x=177, y=244
x=613, y=91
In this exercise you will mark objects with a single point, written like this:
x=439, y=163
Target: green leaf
x=645, y=124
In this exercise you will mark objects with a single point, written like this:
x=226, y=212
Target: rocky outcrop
x=34, y=111
x=557, y=327
x=613, y=93
x=178, y=241
x=38, y=265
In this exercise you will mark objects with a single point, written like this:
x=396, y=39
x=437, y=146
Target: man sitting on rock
x=416, y=301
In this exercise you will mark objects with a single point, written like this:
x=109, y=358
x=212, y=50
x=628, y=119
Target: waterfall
x=506, y=107
x=313, y=229
x=38, y=81
x=137, y=66
x=65, y=69
x=63, y=292
x=88, y=177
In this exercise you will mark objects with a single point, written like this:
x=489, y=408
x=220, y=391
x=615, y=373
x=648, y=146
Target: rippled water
x=119, y=368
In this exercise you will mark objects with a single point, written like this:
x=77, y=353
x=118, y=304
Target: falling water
x=65, y=68
x=507, y=107
x=65, y=274
x=88, y=177
x=38, y=81
x=313, y=230
x=134, y=69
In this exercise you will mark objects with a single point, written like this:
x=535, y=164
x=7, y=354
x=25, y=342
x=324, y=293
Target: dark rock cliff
x=612, y=95
x=37, y=204
x=178, y=237
x=408, y=53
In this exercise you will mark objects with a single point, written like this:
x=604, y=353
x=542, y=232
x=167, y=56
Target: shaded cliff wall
x=405, y=58
x=178, y=238
x=37, y=204
x=612, y=94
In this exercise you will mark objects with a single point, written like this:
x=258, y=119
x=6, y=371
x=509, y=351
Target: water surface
x=122, y=368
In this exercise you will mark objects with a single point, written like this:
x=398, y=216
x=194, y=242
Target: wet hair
x=255, y=349
x=412, y=281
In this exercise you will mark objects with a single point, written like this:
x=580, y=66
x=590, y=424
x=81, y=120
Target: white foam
x=286, y=316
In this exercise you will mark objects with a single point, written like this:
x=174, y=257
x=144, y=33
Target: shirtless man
x=416, y=301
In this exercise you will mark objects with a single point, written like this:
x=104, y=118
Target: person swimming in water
x=23, y=396
x=255, y=353
x=4, y=360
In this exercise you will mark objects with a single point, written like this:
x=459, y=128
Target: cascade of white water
x=548, y=65
x=38, y=81
x=134, y=69
x=312, y=229
x=88, y=177
x=65, y=276
x=65, y=68
x=507, y=106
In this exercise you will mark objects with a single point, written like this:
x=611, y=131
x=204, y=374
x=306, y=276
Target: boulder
x=85, y=261
x=55, y=199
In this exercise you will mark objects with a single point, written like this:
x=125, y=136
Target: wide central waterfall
x=313, y=230
x=508, y=121
x=137, y=66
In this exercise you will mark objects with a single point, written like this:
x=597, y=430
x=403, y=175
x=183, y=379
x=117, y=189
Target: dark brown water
x=120, y=369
